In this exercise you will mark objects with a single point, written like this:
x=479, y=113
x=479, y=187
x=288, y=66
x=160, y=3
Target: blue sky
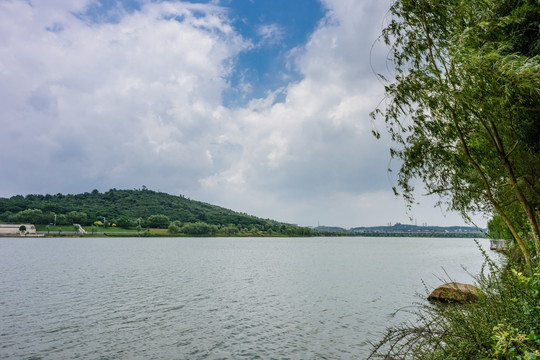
x=275, y=28
x=260, y=106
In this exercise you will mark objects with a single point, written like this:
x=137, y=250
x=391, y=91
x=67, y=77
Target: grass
x=69, y=229
x=58, y=230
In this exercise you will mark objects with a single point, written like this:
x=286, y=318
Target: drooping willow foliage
x=463, y=107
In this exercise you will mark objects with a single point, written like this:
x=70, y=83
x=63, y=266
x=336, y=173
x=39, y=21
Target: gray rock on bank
x=454, y=291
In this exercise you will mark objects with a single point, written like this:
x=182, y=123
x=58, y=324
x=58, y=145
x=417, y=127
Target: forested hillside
x=124, y=208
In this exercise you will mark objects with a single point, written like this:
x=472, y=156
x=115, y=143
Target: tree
x=125, y=222
x=174, y=227
x=77, y=217
x=159, y=221
x=62, y=219
x=31, y=216
x=463, y=107
x=199, y=228
x=7, y=216
x=230, y=229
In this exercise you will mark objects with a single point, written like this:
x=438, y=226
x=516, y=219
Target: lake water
x=214, y=298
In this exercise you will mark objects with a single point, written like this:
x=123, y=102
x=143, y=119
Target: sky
x=259, y=106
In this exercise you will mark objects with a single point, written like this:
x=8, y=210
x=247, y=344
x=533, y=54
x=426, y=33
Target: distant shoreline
x=340, y=234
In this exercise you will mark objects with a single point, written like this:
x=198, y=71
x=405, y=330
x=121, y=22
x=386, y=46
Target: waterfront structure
x=498, y=244
x=14, y=230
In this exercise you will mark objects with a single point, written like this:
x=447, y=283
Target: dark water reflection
x=214, y=298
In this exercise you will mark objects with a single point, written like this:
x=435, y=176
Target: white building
x=13, y=230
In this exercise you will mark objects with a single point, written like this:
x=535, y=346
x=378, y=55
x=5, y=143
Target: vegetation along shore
x=462, y=106
x=144, y=212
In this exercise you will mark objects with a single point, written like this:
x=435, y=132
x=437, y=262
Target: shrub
x=503, y=324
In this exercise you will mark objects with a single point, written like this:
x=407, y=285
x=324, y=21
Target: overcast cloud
x=135, y=97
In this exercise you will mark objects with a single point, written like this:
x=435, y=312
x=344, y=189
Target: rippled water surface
x=214, y=298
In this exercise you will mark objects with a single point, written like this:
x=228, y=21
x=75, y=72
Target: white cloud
x=313, y=157
x=138, y=101
x=271, y=33
x=143, y=92
x=319, y=140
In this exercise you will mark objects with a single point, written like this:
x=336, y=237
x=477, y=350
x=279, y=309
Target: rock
x=455, y=291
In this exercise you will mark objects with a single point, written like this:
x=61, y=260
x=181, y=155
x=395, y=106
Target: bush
x=503, y=324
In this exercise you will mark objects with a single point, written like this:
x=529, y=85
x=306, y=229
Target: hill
x=151, y=209
x=125, y=208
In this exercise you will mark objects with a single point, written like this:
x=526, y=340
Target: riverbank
x=218, y=231
x=502, y=323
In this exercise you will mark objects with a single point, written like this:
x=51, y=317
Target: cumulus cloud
x=127, y=97
x=317, y=143
x=136, y=98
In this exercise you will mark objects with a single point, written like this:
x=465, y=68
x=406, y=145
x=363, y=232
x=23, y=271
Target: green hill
x=125, y=208
x=152, y=209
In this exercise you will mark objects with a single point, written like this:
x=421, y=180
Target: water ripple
x=209, y=298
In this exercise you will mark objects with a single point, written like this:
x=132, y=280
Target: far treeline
x=139, y=209
x=142, y=209
x=406, y=230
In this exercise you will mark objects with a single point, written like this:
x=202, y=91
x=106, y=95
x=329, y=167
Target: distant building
x=13, y=230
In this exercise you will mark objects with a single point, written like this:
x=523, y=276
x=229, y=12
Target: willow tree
x=462, y=107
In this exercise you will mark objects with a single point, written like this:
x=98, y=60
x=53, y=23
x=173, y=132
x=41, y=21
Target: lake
x=215, y=298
